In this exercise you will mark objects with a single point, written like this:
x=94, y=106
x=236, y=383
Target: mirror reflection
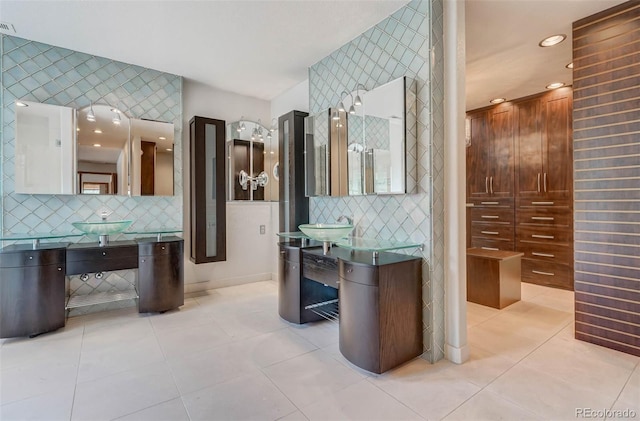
x=252, y=152
x=103, y=151
x=152, y=145
x=45, y=149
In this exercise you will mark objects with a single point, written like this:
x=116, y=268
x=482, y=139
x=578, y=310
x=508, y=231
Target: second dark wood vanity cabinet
x=32, y=289
x=380, y=310
x=160, y=274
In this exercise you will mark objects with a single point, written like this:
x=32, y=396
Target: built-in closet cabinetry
x=533, y=136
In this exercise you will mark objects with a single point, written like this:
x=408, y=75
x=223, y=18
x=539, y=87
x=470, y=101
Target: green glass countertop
x=370, y=244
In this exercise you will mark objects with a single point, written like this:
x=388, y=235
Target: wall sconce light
x=245, y=179
x=116, y=118
x=274, y=125
x=91, y=116
x=358, y=100
x=335, y=115
x=241, y=125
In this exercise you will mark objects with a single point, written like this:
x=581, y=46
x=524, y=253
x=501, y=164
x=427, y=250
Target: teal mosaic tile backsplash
x=43, y=73
x=407, y=43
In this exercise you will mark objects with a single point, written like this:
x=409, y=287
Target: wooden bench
x=493, y=277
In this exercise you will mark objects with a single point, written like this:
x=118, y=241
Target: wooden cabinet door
x=478, y=156
x=529, y=177
x=557, y=151
x=501, y=160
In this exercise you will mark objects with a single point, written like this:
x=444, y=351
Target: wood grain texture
x=295, y=210
x=160, y=275
x=493, y=277
x=607, y=170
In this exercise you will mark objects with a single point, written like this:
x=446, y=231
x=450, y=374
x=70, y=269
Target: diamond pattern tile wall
x=404, y=44
x=43, y=73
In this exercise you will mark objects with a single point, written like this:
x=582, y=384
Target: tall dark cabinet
x=208, y=199
x=294, y=205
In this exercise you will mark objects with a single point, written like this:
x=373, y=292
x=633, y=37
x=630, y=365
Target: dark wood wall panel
x=606, y=56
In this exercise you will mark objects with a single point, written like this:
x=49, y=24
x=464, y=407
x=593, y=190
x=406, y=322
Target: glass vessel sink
x=326, y=232
x=102, y=227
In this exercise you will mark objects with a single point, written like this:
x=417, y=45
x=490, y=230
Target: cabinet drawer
x=492, y=202
x=292, y=254
x=545, y=273
x=544, y=202
x=555, y=253
x=366, y=275
x=500, y=231
x=492, y=244
x=492, y=215
x=544, y=234
x=159, y=248
x=24, y=258
x=83, y=259
x=320, y=269
x=545, y=216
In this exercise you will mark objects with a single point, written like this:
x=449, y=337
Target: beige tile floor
x=226, y=355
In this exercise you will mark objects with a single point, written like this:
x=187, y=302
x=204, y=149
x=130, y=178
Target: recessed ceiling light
x=21, y=104
x=569, y=66
x=555, y=85
x=552, y=40
x=162, y=138
x=97, y=145
x=77, y=129
x=497, y=100
x=169, y=149
x=97, y=131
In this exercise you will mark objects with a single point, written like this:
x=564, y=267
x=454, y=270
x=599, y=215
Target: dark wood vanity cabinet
x=32, y=289
x=91, y=258
x=295, y=292
x=380, y=310
x=160, y=274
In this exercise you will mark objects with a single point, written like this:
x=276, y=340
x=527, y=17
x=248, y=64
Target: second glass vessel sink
x=326, y=232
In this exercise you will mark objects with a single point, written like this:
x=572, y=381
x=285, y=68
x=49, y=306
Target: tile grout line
x=75, y=386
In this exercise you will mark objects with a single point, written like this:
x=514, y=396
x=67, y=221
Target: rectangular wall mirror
x=94, y=150
x=360, y=146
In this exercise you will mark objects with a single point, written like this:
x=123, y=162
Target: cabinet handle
x=282, y=252
x=543, y=273
x=489, y=216
x=546, y=237
x=489, y=203
x=542, y=203
x=349, y=270
x=486, y=185
x=490, y=232
x=535, y=253
x=293, y=267
x=542, y=218
x=490, y=248
x=545, y=182
x=30, y=257
x=538, y=182
x=162, y=247
x=491, y=184
x=59, y=269
x=104, y=253
x=143, y=260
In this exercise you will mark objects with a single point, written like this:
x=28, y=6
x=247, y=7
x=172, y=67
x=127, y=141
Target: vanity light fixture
x=241, y=126
x=358, y=101
x=91, y=116
x=569, y=66
x=555, y=85
x=116, y=118
x=352, y=108
x=341, y=107
x=497, y=100
x=97, y=145
x=97, y=131
x=21, y=104
x=162, y=138
x=335, y=115
x=274, y=125
x=552, y=40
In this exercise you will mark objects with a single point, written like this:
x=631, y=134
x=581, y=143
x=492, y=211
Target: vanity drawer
x=549, y=216
x=545, y=273
x=496, y=231
x=491, y=202
x=557, y=253
x=89, y=259
x=159, y=248
x=545, y=203
x=320, y=269
x=23, y=258
x=492, y=244
x=492, y=215
x=366, y=275
x=544, y=234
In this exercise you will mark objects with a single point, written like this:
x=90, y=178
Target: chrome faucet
x=343, y=218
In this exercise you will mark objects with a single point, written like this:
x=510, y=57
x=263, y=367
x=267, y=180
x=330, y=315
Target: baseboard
x=195, y=287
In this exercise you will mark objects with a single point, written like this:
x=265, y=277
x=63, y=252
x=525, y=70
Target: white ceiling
x=261, y=48
x=502, y=36
x=257, y=48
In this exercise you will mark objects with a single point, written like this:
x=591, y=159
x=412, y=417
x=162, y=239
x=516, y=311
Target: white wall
x=248, y=252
